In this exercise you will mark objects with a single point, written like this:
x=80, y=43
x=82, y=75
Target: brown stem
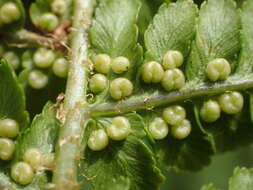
x=24, y=38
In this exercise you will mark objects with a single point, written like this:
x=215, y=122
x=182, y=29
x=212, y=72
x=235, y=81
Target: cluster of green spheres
x=23, y=171
x=33, y=160
x=167, y=73
x=120, y=87
x=49, y=21
x=175, y=117
x=9, y=129
x=229, y=103
x=9, y=13
x=218, y=69
x=38, y=63
x=43, y=59
x=117, y=130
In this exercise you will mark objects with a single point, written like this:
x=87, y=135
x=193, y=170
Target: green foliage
x=41, y=134
x=130, y=163
x=167, y=107
x=171, y=29
x=11, y=90
x=114, y=31
x=245, y=62
x=217, y=36
x=190, y=154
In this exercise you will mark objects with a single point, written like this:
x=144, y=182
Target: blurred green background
x=218, y=172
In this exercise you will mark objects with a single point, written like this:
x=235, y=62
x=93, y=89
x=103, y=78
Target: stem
x=150, y=102
x=25, y=38
x=68, y=148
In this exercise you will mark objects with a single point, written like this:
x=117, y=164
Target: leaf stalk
x=68, y=147
x=152, y=101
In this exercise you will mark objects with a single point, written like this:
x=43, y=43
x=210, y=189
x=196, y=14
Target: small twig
x=24, y=38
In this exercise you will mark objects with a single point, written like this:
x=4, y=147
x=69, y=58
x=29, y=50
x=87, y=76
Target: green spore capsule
x=231, y=102
x=120, y=65
x=98, y=83
x=43, y=57
x=48, y=21
x=9, y=13
x=174, y=115
x=12, y=59
x=210, y=111
x=218, y=69
x=172, y=59
x=152, y=72
x=173, y=79
x=58, y=6
x=158, y=128
x=102, y=63
x=98, y=140
x=22, y=173
x=33, y=157
x=37, y=79
x=60, y=67
x=27, y=64
x=181, y=130
x=27, y=60
x=7, y=148
x=9, y=128
x=119, y=129
x=120, y=88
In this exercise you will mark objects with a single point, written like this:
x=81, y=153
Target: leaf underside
x=173, y=28
x=217, y=30
x=11, y=90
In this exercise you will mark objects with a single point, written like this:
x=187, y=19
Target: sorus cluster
x=49, y=21
x=229, y=103
x=38, y=62
x=33, y=161
x=117, y=130
x=168, y=74
x=174, y=119
x=120, y=87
